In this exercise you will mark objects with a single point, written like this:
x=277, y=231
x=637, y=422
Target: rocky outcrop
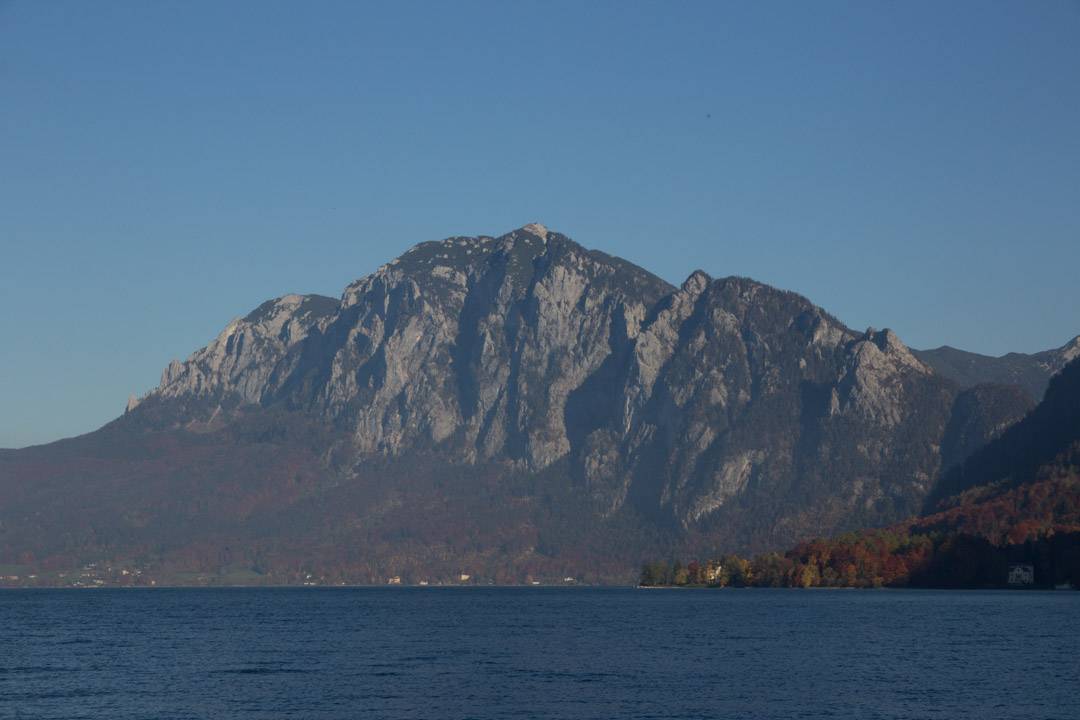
x=246, y=356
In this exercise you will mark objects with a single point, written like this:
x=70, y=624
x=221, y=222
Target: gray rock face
x=724, y=406
x=473, y=345
x=246, y=356
x=741, y=400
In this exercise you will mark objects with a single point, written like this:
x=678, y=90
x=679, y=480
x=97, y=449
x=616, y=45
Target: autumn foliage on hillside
x=1016, y=501
x=969, y=545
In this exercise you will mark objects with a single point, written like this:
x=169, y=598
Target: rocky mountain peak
x=696, y=283
x=447, y=268
x=536, y=229
x=889, y=343
x=530, y=351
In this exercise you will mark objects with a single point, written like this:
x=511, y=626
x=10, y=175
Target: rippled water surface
x=527, y=653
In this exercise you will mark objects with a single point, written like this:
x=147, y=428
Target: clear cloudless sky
x=167, y=166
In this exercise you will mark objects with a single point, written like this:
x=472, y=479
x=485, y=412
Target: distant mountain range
x=508, y=409
x=1031, y=372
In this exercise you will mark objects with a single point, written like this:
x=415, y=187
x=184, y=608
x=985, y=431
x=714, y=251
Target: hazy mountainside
x=1015, y=501
x=980, y=414
x=518, y=405
x=1031, y=372
x=1049, y=435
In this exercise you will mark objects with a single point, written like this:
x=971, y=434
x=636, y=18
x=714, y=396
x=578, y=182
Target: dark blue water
x=538, y=653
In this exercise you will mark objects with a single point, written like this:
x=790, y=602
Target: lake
x=538, y=653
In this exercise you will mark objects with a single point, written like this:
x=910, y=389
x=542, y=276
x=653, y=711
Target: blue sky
x=165, y=167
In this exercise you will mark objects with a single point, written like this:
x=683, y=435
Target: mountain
x=1047, y=438
x=1031, y=372
x=980, y=414
x=1016, y=501
x=518, y=407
